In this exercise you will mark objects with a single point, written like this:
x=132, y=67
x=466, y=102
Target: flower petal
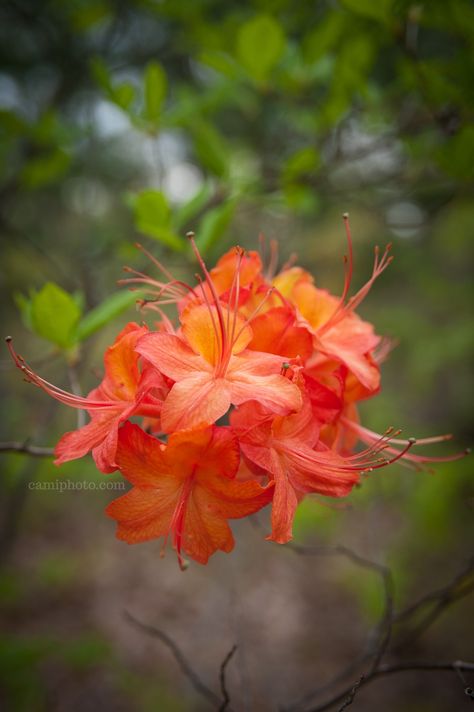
x=121, y=364
x=171, y=355
x=78, y=443
x=197, y=399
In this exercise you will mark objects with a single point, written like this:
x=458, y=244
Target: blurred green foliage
x=150, y=118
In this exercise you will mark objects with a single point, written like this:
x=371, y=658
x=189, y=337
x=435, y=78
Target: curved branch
x=182, y=661
x=27, y=449
x=222, y=680
x=347, y=695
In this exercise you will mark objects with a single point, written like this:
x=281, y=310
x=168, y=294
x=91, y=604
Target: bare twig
x=383, y=670
x=27, y=449
x=182, y=661
x=222, y=680
x=381, y=639
x=435, y=602
x=348, y=701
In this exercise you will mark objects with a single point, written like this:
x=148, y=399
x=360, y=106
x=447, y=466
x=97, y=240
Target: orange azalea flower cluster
x=251, y=400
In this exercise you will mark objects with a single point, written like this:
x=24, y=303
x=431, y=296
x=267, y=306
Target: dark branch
x=222, y=680
x=27, y=449
x=182, y=661
x=347, y=695
x=435, y=602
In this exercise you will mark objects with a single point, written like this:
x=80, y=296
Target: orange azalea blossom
x=211, y=364
x=124, y=391
x=185, y=489
x=284, y=361
x=289, y=450
x=338, y=332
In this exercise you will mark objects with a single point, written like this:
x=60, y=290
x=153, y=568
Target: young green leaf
x=54, y=315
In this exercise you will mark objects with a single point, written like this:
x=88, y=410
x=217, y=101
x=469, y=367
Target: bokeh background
x=124, y=120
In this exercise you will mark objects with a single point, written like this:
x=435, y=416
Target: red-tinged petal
x=121, y=364
x=171, y=355
x=359, y=363
x=223, y=273
x=284, y=505
x=204, y=533
x=233, y=499
x=140, y=457
x=143, y=514
x=255, y=363
x=197, y=399
x=326, y=403
x=299, y=426
x=78, y=443
x=252, y=422
x=205, y=452
x=275, y=332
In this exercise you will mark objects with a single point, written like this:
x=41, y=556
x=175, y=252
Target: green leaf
x=374, y=9
x=155, y=92
x=54, y=315
x=124, y=95
x=105, y=312
x=260, y=44
x=214, y=224
x=324, y=37
x=46, y=169
x=153, y=217
x=210, y=148
x=24, y=306
x=304, y=161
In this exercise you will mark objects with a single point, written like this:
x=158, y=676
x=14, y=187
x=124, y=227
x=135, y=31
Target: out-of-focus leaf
x=214, y=224
x=300, y=163
x=210, y=147
x=54, y=315
x=455, y=156
x=260, y=44
x=153, y=217
x=107, y=310
x=155, y=92
x=46, y=169
x=186, y=212
x=324, y=37
x=11, y=123
x=374, y=9
x=24, y=306
x=222, y=63
x=124, y=95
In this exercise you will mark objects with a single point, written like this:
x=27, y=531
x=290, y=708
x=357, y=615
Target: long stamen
x=369, y=437
x=54, y=391
x=215, y=296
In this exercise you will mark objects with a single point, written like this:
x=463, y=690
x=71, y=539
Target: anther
x=190, y=235
x=412, y=441
x=345, y=216
x=8, y=339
